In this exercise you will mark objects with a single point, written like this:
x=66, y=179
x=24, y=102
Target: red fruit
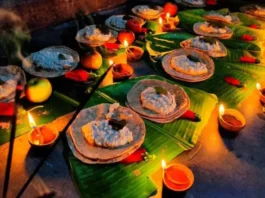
x=247, y=37
x=248, y=59
x=254, y=26
x=171, y=8
x=134, y=25
x=137, y=156
x=126, y=35
x=233, y=81
x=190, y=115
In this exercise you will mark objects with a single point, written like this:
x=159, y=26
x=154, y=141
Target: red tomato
x=134, y=25
x=126, y=35
x=171, y=8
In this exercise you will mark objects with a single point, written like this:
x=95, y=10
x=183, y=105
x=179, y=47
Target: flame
x=163, y=163
x=258, y=86
x=167, y=16
x=32, y=123
x=111, y=62
x=160, y=21
x=221, y=109
x=125, y=43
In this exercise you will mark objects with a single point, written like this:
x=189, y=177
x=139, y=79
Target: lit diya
x=134, y=53
x=171, y=23
x=122, y=71
x=177, y=177
x=43, y=135
x=231, y=119
x=261, y=93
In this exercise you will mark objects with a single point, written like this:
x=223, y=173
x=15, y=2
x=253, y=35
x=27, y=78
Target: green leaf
x=160, y=90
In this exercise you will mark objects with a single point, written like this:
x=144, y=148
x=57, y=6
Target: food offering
x=208, y=45
x=192, y=3
x=254, y=10
x=147, y=12
x=106, y=133
x=96, y=35
x=217, y=30
x=222, y=18
x=9, y=77
x=118, y=22
x=158, y=101
x=51, y=62
x=92, y=60
x=188, y=65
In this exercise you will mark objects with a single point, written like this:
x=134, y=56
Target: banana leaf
x=247, y=20
x=228, y=94
x=51, y=110
x=189, y=18
x=164, y=141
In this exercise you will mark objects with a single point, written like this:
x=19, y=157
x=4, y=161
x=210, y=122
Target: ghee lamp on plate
x=231, y=119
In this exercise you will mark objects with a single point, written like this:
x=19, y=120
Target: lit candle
x=231, y=119
x=39, y=138
x=167, y=17
x=261, y=92
x=164, y=165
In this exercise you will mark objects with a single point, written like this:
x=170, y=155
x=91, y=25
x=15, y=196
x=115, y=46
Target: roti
x=32, y=69
x=147, y=17
x=216, y=54
x=186, y=77
x=9, y=77
x=216, y=18
x=181, y=98
x=135, y=124
x=80, y=37
x=197, y=30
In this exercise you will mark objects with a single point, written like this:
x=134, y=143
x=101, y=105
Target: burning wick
x=160, y=21
x=111, y=62
x=221, y=110
x=32, y=124
x=125, y=43
x=164, y=165
x=167, y=17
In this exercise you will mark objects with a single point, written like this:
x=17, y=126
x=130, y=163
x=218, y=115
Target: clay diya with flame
x=231, y=119
x=177, y=177
x=42, y=136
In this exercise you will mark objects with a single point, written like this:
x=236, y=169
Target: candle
x=261, y=93
x=231, y=119
x=111, y=62
x=177, y=177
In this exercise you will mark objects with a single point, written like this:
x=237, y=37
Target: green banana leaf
x=228, y=94
x=247, y=20
x=51, y=110
x=164, y=141
x=190, y=17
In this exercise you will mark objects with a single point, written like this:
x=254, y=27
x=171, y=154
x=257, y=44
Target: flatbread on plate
x=199, y=31
x=96, y=153
x=216, y=54
x=9, y=77
x=134, y=102
x=32, y=69
x=147, y=17
x=186, y=77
